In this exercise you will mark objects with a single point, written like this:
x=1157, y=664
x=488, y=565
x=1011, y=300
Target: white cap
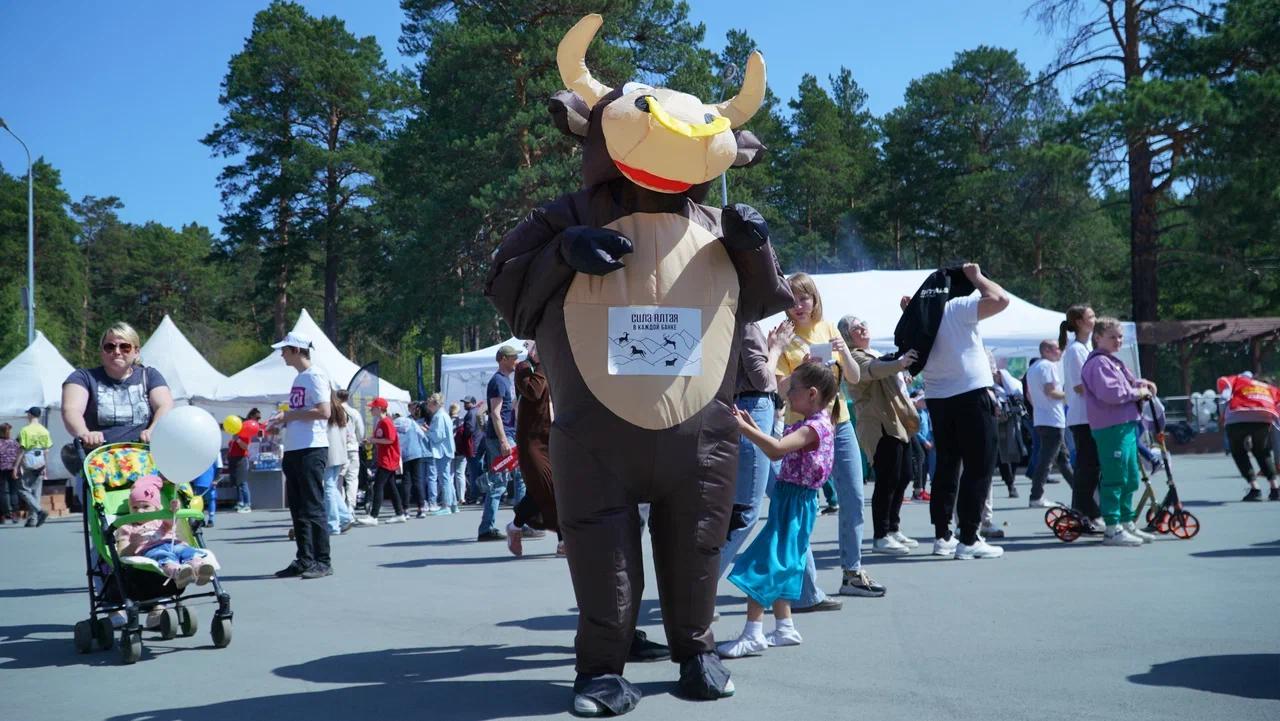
x=293, y=340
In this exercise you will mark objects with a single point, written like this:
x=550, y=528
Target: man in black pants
x=306, y=452
x=956, y=381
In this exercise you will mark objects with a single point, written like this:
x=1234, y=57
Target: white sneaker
x=1117, y=536
x=1133, y=530
x=981, y=549
x=365, y=521
x=945, y=548
x=904, y=539
x=742, y=646
x=244, y=509
x=397, y=519
x=1042, y=503
x=890, y=545
x=784, y=637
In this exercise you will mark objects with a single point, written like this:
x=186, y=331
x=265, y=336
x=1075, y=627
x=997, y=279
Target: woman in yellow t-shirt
x=810, y=329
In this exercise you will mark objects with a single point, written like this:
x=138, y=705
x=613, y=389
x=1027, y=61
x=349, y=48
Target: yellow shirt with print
x=793, y=355
x=34, y=435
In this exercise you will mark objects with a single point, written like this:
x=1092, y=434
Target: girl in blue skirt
x=771, y=570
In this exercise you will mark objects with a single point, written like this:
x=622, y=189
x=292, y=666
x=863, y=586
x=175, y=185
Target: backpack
x=463, y=441
x=33, y=459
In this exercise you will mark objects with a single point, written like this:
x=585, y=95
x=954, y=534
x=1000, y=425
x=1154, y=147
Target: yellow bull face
x=658, y=138
x=666, y=140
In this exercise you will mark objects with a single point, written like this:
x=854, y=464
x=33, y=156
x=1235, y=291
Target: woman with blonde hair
x=812, y=334
x=337, y=514
x=119, y=400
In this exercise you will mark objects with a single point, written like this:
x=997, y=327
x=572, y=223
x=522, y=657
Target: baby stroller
x=135, y=585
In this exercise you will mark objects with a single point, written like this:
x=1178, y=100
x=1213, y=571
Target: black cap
x=35, y=411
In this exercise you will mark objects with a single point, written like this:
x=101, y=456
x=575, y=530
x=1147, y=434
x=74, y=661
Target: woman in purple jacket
x=1112, y=400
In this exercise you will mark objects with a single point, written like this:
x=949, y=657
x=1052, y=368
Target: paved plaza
x=421, y=622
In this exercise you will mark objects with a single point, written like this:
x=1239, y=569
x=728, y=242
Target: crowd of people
x=813, y=400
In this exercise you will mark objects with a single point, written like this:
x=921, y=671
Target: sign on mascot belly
x=637, y=295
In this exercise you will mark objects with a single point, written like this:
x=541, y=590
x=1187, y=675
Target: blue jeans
x=494, y=485
x=753, y=477
x=239, y=468
x=440, y=481
x=336, y=512
x=847, y=476
x=210, y=496
x=176, y=552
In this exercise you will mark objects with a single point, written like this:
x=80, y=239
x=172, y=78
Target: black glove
x=744, y=228
x=594, y=251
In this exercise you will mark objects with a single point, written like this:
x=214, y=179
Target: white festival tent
x=468, y=374
x=871, y=295
x=188, y=374
x=267, y=382
x=34, y=378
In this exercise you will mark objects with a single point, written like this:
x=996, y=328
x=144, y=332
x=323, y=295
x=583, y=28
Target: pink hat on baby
x=146, y=490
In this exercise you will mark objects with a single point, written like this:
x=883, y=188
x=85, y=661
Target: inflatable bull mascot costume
x=637, y=295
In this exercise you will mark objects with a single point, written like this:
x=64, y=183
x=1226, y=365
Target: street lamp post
x=31, y=239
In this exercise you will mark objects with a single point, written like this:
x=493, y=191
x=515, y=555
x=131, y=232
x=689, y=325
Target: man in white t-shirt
x=1048, y=401
x=956, y=381
x=306, y=453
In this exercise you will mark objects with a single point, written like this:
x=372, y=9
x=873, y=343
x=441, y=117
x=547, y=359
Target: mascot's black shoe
x=642, y=649
x=704, y=678
x=605, y=694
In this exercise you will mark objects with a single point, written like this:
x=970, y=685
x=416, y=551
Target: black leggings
x=892, y=462
x=964, y=432
x=1259, y=436
x=385, y=479
x=8, y=492
x=1087, y=472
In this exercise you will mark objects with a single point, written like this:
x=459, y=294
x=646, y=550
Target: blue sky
x=118, y=94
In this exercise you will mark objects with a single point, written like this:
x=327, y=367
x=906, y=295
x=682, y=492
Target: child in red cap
x=156, y=539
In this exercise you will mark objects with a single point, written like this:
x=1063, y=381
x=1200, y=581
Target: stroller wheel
x=1052, y=515
x=187, y=621
x=130, y=646
x=103, y=634
x=1067, y=528
x=1184, y=525
x=168, y=624
x=221, y=631
x=84, y=636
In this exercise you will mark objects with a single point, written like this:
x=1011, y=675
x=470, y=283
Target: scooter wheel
x=1067, y=528
x=1184, y=525
x=1163, y=522
x=1052, y=515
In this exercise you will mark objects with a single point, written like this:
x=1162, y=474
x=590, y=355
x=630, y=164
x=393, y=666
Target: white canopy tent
x=874, y=296
x=34, y=378
x=267, y=382
x=467, y=374
x=188, y=374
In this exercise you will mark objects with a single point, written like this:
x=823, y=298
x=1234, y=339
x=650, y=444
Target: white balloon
x=185, y=442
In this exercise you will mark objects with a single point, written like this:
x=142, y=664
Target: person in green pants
x=1112, y=400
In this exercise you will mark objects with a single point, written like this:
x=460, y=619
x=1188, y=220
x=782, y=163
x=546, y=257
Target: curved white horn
x=571, y=56
x=742, y=106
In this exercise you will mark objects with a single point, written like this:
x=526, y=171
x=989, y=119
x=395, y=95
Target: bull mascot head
x=657, y=138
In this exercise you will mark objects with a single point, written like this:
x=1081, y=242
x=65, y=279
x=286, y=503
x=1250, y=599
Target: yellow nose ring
x=689, y=130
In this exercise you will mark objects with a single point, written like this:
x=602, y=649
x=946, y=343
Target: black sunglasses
x=111, y=347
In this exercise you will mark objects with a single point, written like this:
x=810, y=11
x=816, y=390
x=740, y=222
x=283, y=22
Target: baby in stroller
x=157, y=540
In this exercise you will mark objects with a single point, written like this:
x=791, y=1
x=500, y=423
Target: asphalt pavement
x=421, y=621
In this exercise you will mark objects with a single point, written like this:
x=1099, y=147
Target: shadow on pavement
x=650, y=615
x=424, y=562
x=1257, y=550
x=1243, y=675
x=23, y=647
x=414, y=544
x=406, y=684
x=33, y=592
